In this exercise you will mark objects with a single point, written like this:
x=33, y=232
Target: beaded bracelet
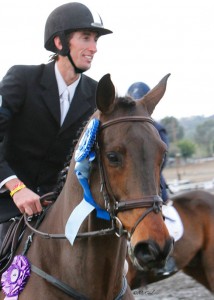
x=17, y=188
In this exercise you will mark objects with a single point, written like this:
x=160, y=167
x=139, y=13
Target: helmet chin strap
x=65, y=51
x=77, y=70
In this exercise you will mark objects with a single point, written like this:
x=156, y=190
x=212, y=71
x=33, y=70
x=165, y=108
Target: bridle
x=153, y=203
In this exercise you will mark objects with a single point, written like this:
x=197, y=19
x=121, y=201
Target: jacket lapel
x=50, y=92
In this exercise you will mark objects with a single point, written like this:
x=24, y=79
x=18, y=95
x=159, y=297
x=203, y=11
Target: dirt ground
x=180, y=286
x=200, y=170
x=177, y=287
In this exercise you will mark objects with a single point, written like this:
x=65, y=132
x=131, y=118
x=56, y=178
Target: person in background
x=42, y=107
x=136, y=91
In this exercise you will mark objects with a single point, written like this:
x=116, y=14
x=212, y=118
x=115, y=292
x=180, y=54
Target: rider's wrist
x=19, y=186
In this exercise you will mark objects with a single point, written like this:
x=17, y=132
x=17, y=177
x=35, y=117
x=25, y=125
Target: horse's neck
x=93, y=265
x=104, y=259
x=101, y=258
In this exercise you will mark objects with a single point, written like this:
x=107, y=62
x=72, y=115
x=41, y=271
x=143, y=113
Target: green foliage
x=187, y=148
x=173, y=150
x=174, y=129
x=205, y=135
x=190, y=124
x=198, y=130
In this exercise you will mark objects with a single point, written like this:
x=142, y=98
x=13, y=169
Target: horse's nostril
x=146, y=252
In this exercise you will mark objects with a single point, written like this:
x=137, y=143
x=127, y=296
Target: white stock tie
x=64, y=105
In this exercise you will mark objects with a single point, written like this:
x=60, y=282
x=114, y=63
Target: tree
x=205, y=136
x=174, y=129
x=187, y=148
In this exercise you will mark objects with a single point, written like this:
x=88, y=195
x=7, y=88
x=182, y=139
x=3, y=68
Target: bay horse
x=124, y=178
x=194, y=252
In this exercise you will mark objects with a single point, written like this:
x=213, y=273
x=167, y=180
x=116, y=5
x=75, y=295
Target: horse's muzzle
x=148, y=254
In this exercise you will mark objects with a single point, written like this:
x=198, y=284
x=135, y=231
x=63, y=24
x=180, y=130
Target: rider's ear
x=105, y=95
x=57, y=43
x=152, y=98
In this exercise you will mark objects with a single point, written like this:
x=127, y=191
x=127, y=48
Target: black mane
x=64, y=172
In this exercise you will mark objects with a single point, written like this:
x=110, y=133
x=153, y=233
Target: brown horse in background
x=194, y=252
x=124, y=181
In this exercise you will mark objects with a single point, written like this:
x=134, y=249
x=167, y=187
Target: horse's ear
x=105, y=94
x=154, y=96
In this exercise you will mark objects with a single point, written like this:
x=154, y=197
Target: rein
x=59, y=284
x=46, y=235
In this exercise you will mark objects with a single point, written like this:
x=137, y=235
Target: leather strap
x=147, y=201
x=59, y=284
x=126, y=119
x=18, y=229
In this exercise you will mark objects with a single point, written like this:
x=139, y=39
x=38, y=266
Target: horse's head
x=131, y=155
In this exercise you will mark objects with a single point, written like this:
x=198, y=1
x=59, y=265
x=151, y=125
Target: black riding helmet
x=67, y=18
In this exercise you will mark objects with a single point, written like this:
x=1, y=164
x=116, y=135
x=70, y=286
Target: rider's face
x=83, y=46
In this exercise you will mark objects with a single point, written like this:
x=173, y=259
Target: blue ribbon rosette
x=87, y=140
x=83, y=157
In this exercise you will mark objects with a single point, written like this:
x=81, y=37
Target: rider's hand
x=27, y=201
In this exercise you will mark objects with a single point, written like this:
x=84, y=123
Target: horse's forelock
x=125, y=102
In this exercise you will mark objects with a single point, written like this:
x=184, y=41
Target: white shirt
x=62, y=85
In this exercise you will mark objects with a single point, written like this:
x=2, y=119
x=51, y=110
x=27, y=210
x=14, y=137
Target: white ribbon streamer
x=75, y=220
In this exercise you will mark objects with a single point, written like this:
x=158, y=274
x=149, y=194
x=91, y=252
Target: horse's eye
x=113, y=158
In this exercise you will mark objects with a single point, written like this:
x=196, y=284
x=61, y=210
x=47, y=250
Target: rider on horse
x=34, y=140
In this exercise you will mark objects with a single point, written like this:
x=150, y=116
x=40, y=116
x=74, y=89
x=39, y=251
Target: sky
x=150, y=39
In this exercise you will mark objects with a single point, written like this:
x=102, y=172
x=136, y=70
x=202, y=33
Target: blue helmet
x=137, y=90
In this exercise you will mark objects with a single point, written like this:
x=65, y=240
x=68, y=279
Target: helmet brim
x=101, y=31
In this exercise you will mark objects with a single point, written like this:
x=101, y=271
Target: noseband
x=152, y=202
